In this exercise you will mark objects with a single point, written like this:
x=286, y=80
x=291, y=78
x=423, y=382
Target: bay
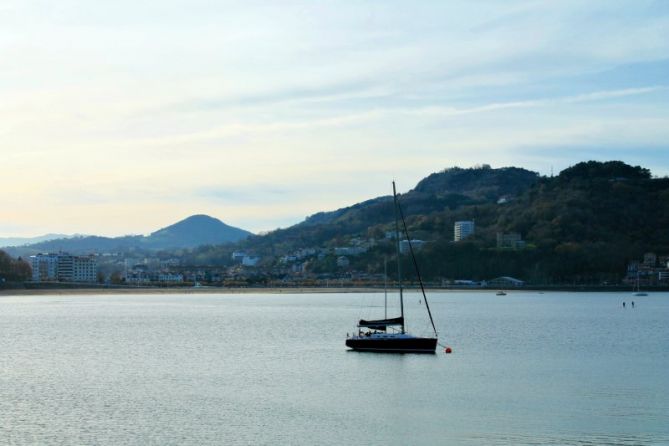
x=198, y=369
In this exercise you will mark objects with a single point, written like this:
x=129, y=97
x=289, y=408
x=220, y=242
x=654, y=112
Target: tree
x=116, y=278
x=14, y=270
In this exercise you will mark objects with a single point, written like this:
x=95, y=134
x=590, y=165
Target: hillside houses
x=651, y=270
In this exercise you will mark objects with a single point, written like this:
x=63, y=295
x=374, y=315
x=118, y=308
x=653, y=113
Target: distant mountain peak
x=192, y=222
x=198, y=229
x=190, y=232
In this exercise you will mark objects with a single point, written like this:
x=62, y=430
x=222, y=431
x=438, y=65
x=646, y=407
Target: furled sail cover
x=381, y=324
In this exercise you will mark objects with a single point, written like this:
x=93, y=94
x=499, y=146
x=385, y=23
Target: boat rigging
x=381, y=339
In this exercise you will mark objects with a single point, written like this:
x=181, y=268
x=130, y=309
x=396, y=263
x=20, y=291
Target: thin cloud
x=238, y=128
x=325, y=93
x=588, y=97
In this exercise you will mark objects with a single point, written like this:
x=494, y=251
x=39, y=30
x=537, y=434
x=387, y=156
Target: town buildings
x=250, y=260
x=506, y=282
x=417, y=245
x=511, y=240
x=343, y=262
x=652, y=270
x=64, y=267
x=245, y=259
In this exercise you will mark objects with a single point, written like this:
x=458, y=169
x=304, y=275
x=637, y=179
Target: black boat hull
x=398, y=345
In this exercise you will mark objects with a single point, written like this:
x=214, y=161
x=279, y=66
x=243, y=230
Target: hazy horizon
x=122, y=118
x=260, y=232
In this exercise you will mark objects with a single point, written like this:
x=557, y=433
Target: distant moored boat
x=637, y=287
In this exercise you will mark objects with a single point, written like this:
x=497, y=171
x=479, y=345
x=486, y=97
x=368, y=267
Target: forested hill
x=593, y=203
x=583, y=225
x=448, y=190
x=480, y=183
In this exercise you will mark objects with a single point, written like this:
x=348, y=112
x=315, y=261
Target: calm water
x=527, y=368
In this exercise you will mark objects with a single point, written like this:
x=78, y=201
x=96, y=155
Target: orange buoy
x=448, y=350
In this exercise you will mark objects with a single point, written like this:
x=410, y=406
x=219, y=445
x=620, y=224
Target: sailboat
x=389, y=334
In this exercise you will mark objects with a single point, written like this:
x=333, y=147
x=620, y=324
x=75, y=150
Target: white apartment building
x=84, y=269
x=63, y=267
x=45, y=267
x=463, y=229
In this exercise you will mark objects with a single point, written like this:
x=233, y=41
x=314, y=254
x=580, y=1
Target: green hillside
x=439, y=194
x=582, y=226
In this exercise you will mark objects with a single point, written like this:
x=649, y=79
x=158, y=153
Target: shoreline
x=178, y=290
x=56, y=291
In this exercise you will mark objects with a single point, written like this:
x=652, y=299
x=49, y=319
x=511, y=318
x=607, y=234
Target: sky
x=124, y=117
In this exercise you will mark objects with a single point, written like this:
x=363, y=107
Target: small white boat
x=500, y=293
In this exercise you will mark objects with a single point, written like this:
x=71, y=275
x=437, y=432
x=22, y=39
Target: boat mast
x=385, y=287
x=397, y=249
x=415, y=265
